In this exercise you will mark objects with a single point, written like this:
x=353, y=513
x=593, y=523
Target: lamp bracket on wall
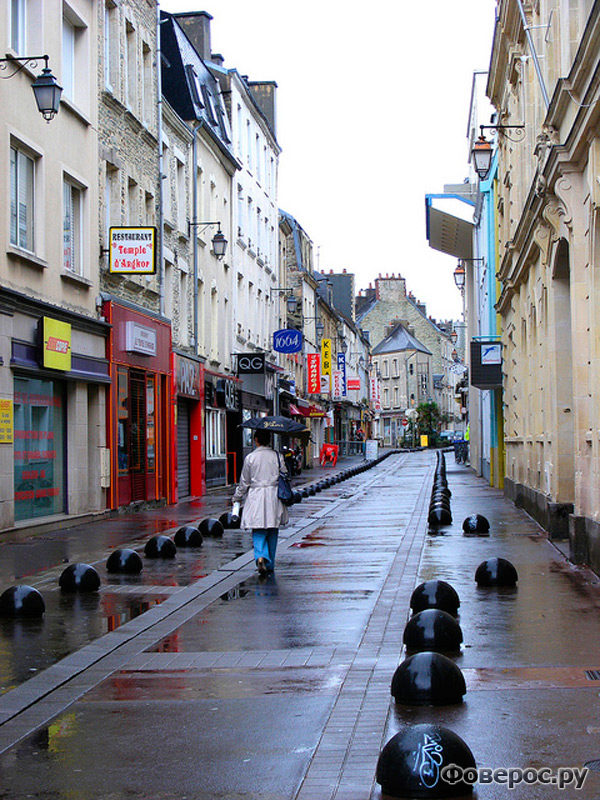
x=517, y=136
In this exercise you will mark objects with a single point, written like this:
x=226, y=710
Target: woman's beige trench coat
x=258, y=484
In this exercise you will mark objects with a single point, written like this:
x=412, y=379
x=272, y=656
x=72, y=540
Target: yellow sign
x=6, y=421
x=424, y=441
x=326, y=357
x=57, y=344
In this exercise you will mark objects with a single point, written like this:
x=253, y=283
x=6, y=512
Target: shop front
x=140, y=415
x=257, y=392
x=189, y=391
x=52, y=431
x=223, y=434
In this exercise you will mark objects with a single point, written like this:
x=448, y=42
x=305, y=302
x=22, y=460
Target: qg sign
x=287, y=341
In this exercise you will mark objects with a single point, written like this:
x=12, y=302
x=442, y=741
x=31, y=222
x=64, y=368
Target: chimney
x=264, y=94
x=196, y=26
x=217, y=59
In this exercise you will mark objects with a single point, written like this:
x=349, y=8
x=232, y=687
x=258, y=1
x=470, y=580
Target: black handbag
x=284, y=487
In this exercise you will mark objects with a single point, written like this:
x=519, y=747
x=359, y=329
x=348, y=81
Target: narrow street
x=232, y=687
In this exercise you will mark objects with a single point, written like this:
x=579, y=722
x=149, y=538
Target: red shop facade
x=140, y=411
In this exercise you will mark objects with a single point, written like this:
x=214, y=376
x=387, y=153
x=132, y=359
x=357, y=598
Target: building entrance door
x=137, y=434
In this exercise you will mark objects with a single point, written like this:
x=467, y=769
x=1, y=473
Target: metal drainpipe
x=536, y=62
x=193, y=227
x=161, y=287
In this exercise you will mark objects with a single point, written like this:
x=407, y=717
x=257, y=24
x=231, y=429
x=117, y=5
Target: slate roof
x=399, y=340
x=189, y=86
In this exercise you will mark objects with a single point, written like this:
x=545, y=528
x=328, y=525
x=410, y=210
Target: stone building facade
x=548, y=200
x=53, y=368
x=140, y=414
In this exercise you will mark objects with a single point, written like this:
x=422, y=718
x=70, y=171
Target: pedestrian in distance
x=263, y=511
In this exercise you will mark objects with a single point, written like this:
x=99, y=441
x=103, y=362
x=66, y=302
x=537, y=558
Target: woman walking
x=263, y=510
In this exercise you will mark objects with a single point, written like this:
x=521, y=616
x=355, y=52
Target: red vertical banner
x=313, y=367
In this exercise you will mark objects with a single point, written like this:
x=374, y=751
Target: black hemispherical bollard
x=297, y=496
x=312, y=491
x=79, y=578
x=21, y=601
x=160, y=547
x=428, y=679
x=439, y=516
x=435, y=594
x=229, y=522
x=188, y=536
x=496, y=572
x=211, y=527
x=476, y=524
x=434, y=630
x=412, y=763
x=124, y=560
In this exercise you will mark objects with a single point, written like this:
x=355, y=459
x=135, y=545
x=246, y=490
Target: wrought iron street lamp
x=45, y=87
x=219, y=242
x=459, y=276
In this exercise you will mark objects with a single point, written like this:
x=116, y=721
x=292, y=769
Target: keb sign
x=287, y=340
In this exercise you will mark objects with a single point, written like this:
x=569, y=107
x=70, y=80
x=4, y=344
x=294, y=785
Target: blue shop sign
x=287, y=340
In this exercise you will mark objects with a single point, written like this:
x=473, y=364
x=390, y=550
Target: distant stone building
x=386, y=305
x=404, y=369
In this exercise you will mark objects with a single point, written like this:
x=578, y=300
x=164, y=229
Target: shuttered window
x=21, y=199
x=72, y=227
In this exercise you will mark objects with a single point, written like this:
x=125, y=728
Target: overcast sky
x=372, y=105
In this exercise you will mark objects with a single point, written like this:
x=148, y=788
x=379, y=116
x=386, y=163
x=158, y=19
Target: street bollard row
x=428, y=760
x=439, y=506
x=26, y=601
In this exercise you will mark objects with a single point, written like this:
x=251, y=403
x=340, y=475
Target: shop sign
x=6, y=422
x=354, y=384
x=56, y=344
x=337, y=383
x=326, y=357
x=325, y=384
x=313, y=365
x=341, y=359
x=188, y=378
x=140, y=339
x=287, y=340
x=251, y=363
x=132, y=251
x=227, y=395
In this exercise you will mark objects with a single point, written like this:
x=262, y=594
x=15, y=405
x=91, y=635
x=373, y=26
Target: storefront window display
x=215, y=433
x=39, y=444
x=122, y=419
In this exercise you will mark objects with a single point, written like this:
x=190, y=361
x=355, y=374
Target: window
x=72, y=227
x=215, y=433
x=241, y=207
x=166, y=184
x=111, y=47
x=21, y=199
x=130, y=64
x=150, y=424
x=39, y=432
x=111, y=198
x=150, y=208
x=122, y=420
x=68, y=58
x=395, y=368
x=386, y=371
x=148, y=84
x=75, y=67
x=17, y=26
x=132, y=203
x=180, y=188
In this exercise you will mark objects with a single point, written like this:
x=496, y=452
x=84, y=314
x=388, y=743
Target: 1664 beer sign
x=313, y=368
x=287, y=340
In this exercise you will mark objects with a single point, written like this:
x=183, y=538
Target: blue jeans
x=265, y=544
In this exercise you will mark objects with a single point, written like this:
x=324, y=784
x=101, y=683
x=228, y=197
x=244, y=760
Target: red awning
x=295, y=410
